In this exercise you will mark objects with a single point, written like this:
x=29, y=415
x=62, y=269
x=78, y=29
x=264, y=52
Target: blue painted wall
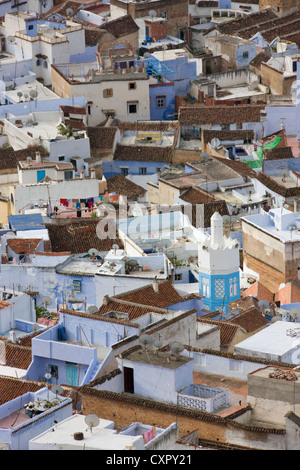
x=167, y=91
x=217, y=299
x=113, y=167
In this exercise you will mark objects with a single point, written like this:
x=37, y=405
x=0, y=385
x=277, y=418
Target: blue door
x=41, y=175
x=71, y=374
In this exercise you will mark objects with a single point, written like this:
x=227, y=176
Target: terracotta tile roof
x=78, y=236
x=11, y=388
x=237, y=26
x=67, y=110
x=23, y=245
x=9, y=158
x=289, y=294
x=276, y=187
x=134, y=310
x=61, y=8
x=195, y=195
x=258, y=290
x=146, y=295
x=278, y=153
x=285, y=26
x=93, y=36
x=4, y=304
x=240, y=167
x=259, y=58
x=121, y=26
x=251, y=320
x=102, y=137
x=199, y=115
x=227, y=330
x=121, y=185
x=143, y=153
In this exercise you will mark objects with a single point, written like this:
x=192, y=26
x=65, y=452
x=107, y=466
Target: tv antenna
x=146, y=340
x=92, y=421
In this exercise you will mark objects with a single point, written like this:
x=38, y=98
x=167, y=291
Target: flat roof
x=162, y=359
x=272, y=339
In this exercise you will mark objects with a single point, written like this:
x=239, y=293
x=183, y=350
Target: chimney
x=38, y=157
x=82, y=174
x=93, y=173
x=105, y=300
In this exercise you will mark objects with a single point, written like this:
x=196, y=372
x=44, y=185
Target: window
x=89, y=109
x=295, y=66
x=107, y=93
x=164, y=14
x=160, y=101
x=30, y=27
x=124, y=171
x=68, y=174
x=143, y=171
x=178, y=277
x=131, y=86
x=61, y=158
x=132, y=108
x=210, y=90
x=245, y=55
x=38, y=62
x=45, y=64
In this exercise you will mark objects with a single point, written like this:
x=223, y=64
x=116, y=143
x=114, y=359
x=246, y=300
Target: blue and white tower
x=218, y=261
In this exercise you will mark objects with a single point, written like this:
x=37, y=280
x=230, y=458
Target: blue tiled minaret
x=218, y=261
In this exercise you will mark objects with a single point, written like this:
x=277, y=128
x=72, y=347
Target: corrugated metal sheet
x=26, y=222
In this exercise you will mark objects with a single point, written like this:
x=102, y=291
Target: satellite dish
x=46, y=300
x=91, y=421
x=152, y=13
x=92, y=309
x=204, y=156
x=69, y=11
x=57, y=389
x=115, y=246
x=147, y=55
x=35, y=326
x=263, y=304
x=93, y=252
x=215, y=143
x=33, y=93
x=11, y=39
x=146, y=340
x=176, y=348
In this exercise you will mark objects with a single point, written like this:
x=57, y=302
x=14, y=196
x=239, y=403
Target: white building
x=280, y=341
x=75, y=434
